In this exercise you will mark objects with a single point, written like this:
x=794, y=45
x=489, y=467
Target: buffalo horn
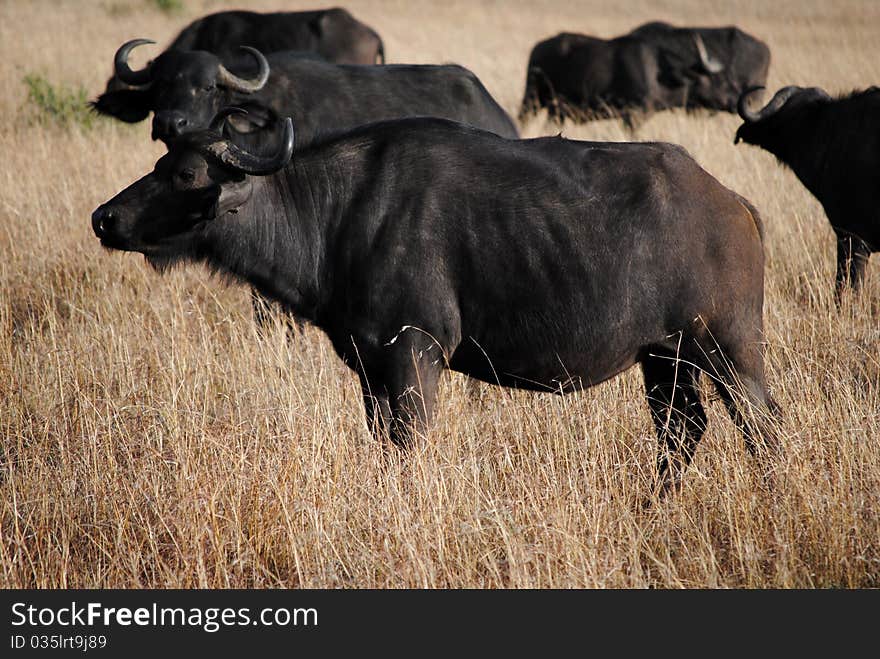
x=708, y=62
x=239, y=159
x=227, y=79
x=772, y=107
x=219, y=120
x=123, y=70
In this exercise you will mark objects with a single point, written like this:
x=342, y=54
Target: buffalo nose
x=169, y=124
x=103, y=221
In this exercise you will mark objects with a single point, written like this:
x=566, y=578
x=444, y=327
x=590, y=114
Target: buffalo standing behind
x=833, y=147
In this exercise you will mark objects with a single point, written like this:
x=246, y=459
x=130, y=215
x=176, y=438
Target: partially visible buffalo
x=330, y=34
x=654, y=67
x=334, y=34
x=420, y=245
x=833, y=146
x=185, y=89
x=728, y=61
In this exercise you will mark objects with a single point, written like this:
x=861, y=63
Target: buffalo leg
x=739, y=379
x=678, y=415
x=262, y=310
x=545, y=95
x=413, y=373
x=852, y=261
x=376, y=406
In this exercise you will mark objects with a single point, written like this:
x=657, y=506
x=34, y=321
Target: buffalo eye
x=209, y=88
x=186, y=176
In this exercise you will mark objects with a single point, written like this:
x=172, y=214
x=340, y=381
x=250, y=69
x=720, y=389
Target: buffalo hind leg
x=738, y=374
x=678, y=414
x=852, y=262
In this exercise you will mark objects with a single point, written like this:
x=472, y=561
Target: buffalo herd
x=654, y=67
x=395, y=208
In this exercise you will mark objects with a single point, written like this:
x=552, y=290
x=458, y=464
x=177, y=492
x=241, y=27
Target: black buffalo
x=332, y=34
x=185, y=89
x=419, y=245
x=656, y=66
x=833, y=146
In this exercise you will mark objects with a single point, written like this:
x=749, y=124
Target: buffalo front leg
x=678, y=415
x=412, y=375
x=262, y=309
x=263, y=314
x=852, y=261
x=376, y=406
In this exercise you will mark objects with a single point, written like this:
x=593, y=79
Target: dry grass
x=151, y=439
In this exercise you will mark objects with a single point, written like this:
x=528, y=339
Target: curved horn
x=778, y=100
x=123, y=71
x=239, y=159
x=219, y=119
x=706, y=60
x=227, y=79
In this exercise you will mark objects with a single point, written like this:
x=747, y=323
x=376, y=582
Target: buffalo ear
x=233, y=195
x=130, y=105
x=209, y=201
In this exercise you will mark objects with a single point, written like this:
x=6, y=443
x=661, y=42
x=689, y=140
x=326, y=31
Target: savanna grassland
x=151, y=438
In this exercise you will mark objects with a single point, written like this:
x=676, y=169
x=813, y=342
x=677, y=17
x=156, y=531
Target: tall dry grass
x=151, y=439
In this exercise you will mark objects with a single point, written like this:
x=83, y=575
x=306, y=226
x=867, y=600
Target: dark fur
x=544, y=264
x=833, y=146
x=334, y=34
x=654, y=67
x=316, y=94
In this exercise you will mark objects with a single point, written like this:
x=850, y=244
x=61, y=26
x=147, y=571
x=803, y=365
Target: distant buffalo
x=833, y=146
x=654, y=67
x=331, y=34
x=420, y=245
x=334, y=34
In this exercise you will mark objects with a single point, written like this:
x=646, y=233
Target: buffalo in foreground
x=185, y=89
x=833, y=146
x=420, y=245
x=655, y=67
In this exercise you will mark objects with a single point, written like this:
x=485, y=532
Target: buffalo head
x=183, y=89
x=762, y=126
x=202, y=180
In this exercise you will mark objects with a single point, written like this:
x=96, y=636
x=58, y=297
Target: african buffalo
x=728, y=61
x=423, y=244
x=833, y=146
x=334, y=34
x=185, y=89
x=654, y=67
x=331, y=34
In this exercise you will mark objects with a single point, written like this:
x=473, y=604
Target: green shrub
x=57, y=104
x=169, y=6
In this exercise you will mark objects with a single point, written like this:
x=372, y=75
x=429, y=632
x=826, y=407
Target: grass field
x=150, y=438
